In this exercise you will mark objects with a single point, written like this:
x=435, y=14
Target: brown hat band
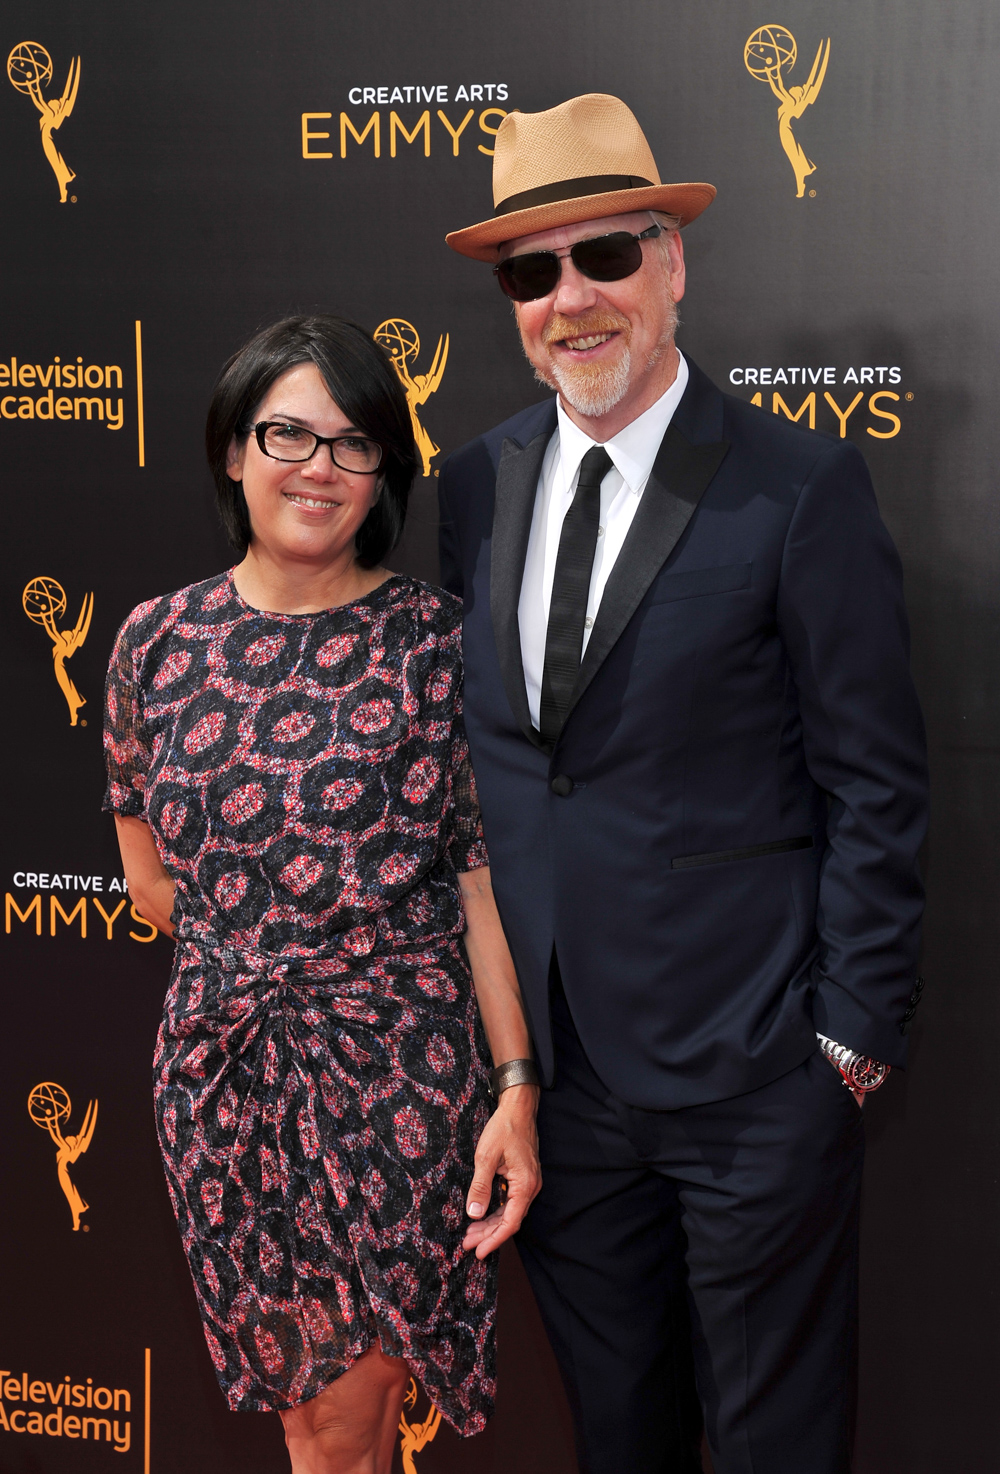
x=570, y=189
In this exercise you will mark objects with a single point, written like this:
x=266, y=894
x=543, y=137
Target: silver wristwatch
x=861, y=1073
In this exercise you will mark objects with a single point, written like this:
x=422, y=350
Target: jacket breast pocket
x=689, y=585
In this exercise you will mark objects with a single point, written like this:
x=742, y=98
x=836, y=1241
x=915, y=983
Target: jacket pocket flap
x=750, y=852
x=701, y=581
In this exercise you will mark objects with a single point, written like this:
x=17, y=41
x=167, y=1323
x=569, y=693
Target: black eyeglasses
x=602, y=258
x=284, y=442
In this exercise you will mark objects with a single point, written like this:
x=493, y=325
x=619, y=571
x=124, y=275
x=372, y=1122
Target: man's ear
x=678, y=271
x=234, y=459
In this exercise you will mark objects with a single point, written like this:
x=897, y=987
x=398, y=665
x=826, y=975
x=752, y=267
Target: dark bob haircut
x=362, y=382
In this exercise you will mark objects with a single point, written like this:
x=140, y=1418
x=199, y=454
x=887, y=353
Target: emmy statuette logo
x=48, y=1106
x=770, y=53
x=44, y=601
x=401, y=341
x=415, y=1436
x=29, y=68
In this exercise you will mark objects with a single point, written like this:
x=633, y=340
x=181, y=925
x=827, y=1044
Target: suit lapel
x=680, y=475
x=517, y=482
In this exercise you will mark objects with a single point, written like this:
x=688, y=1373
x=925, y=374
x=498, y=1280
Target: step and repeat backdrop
x=172, y=178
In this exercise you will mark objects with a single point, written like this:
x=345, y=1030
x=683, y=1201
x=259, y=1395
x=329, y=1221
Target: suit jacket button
x=562, y=785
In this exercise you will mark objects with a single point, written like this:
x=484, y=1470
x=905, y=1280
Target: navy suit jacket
x=729, y=860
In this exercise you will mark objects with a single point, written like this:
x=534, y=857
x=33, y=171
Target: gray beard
x=593, y=397
x=598, y=397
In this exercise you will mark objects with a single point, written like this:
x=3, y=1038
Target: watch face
x=866, y=1073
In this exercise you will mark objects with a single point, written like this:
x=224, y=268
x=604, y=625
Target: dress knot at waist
x=257, y=964
x=346, y=954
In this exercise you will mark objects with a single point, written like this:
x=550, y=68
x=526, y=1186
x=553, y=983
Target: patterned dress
x=320, y=1073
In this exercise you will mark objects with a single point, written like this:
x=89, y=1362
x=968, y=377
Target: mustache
x=600, y=320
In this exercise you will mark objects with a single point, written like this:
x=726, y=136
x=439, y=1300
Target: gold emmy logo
x=44, y=601
x=29, y=68
x=401, y=341
x=769, y=52
x=416, y=1436
x=48, y=1106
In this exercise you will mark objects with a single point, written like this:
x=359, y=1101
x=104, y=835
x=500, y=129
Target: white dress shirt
x=633, y=451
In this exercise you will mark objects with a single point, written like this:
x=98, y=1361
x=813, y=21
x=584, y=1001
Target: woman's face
x=302, y=510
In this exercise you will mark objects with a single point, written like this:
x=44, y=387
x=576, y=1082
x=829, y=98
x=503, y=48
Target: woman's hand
x=149, y=883
x=508, y=1148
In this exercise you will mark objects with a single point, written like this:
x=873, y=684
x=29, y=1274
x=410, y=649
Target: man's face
x=599, y=343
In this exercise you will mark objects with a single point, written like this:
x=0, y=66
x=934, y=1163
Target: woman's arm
x=149, y=884
x=508, y=1146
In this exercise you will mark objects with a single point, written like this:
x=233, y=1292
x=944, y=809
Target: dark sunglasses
x=602, y=258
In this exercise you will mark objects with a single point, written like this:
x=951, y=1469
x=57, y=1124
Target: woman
x=295, y=804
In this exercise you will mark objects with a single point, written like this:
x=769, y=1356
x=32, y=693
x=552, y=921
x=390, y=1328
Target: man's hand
x=858, y=1094
x=508, y=1148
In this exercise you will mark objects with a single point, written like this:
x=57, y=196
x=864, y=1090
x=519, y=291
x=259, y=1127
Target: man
x=701, y=766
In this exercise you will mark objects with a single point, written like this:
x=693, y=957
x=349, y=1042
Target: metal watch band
x=514, y=1072
x=860, y=1071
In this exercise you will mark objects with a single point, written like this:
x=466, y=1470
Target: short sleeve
x=466, y=844
x=127, y=753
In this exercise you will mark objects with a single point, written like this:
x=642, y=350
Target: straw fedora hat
x=582, y=160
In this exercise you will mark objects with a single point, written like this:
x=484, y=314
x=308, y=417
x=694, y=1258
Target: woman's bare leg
x=350, y=1428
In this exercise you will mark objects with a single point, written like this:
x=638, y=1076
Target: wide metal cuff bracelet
x=514, y=1072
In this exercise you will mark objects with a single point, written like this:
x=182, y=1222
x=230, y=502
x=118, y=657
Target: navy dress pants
x=713, y=1246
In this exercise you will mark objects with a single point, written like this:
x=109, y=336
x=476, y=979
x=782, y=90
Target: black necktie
x=570, y=591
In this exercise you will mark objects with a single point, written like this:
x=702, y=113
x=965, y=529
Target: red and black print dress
x=320, y=1073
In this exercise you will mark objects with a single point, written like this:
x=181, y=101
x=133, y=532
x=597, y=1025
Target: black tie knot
x=593, y=468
